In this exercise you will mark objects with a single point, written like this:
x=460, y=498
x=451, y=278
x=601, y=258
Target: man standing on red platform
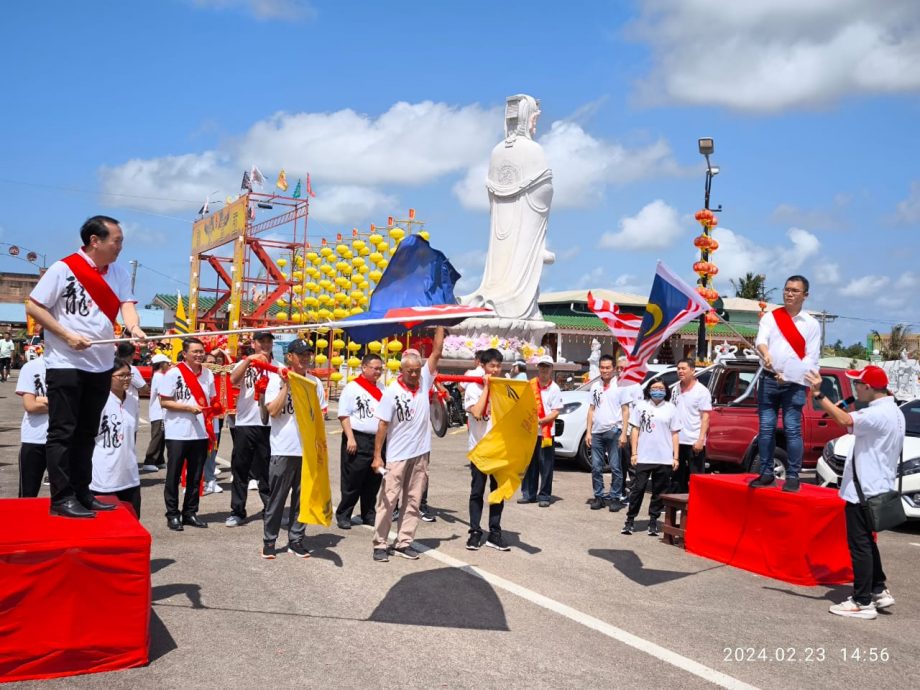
x=76, y=302
x=789, y=342
x=878, y=432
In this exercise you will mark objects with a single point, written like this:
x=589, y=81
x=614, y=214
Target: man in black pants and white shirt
x=878, y=432
x=186, y=433
x=76, y=302
x=357, y=407
x=251, y=448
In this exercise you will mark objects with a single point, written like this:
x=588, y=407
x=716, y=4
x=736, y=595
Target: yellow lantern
x=363, y=300
x=324, y=314
x=320, y=359
x=354, y=362
x=337, y=361
x=341, y=266
x=375, y=257
x=296, y=302
x=356, y=295
x=311, y=302
x=364, y=251
x=353, y=346
x=326, y=251
x=298, y=261
x=282, y=262
x=357, y=261
x=339, y=313
x=393, y=364
x=383, y=247
x=347, y=270
x=341, y=249
x=356, y=310
x=335, y=376
x=297, y=276
x=322, y=344
x=383, y=265
x=352, y=377
x=394, y=346
x=298, y=289
x=338, y=344
x=314, y=315
x=375, y=346
x=312, y=257
x=342, y=282
x=397, y=234
x=375, y=239
x=424, y=235
x=375, y=275
x=358, y=244
x=297, y=317
x=364, y=285
x=356, y=279
x=281, y=316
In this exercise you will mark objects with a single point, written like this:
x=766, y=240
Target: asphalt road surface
x=573, y=604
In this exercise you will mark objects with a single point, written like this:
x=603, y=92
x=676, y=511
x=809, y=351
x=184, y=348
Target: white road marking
x=684, y=663
x=913, y=543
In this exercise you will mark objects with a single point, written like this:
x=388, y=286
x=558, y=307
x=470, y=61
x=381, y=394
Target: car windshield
x=911, y=412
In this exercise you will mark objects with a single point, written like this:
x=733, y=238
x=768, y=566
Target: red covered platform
x=798, y=538
x=74, y=594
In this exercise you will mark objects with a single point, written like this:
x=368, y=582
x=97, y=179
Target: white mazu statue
x=520, y=186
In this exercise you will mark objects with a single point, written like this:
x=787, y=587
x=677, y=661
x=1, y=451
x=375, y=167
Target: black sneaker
x=544, y=503
x=406, y=552
x=381, y=555
x=615, y=506
x=268, y=550
x=791, y=485
x=526, y=500
x=496, y=542
x=762, y=481
x=472, y=544
x=428, y=517
x=653, y=529
x=627, y=528
x=298, y=549
x=342, y=523
x=597, y=503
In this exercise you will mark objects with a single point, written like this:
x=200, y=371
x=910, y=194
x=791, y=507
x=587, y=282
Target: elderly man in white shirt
x=789, y=342
x=878, y=432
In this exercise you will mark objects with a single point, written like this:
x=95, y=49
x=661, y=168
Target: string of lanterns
x=705, y=268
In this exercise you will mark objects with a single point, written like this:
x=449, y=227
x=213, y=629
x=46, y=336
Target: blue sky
x=139, y=110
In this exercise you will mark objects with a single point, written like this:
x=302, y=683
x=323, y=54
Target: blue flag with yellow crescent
x=416, y=287
x=671, y=304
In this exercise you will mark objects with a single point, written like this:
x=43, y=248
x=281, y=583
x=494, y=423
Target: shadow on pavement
x=834, y=594
x=628, y=563
x=320, y=546
x=513, y=539
x=161, y=642
x=435, y=542
x=190, y=590
x=422, y=599
x=157, y=564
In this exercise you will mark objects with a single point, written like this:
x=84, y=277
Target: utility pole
x=133, y=263
x=824, y=317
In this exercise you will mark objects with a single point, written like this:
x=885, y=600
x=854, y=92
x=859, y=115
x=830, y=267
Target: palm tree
x=890, y=346
x=751, y=286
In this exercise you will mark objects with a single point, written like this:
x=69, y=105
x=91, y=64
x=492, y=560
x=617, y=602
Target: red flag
x=309, y=186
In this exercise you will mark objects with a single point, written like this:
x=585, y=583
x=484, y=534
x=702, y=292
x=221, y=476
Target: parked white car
x=572, y=422
x=830, y=464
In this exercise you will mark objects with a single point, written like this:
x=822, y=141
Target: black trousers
x=691, y=462
x=660, y=476
x=359, y=482
x=157, y=444
x=32, y=467
x=477, y=489
x=75, y=402
x=538, y=480
x=191, y=454
x=284, y=478
x=130, y=495
x=868, y=576
x=251, y=450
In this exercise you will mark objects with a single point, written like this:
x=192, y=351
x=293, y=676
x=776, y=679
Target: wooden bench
x=674, y=528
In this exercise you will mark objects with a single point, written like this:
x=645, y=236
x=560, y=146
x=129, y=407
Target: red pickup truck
x=733, y=423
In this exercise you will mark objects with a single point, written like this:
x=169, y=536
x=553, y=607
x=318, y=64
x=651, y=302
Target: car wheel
x=779, y=463
x=583, y=456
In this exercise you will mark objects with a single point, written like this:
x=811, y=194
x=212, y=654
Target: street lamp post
x=706, y=148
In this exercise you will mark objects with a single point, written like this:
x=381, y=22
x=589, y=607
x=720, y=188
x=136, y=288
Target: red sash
x=789, y=330
x=93, y=282
x=546, y=430
x=371, y=388
x=194, y=387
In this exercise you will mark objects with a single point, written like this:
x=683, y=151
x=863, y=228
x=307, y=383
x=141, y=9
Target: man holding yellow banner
x=298, y=453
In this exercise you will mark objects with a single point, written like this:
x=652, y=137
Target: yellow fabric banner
x=505, y=451
x=181, y=326
x=315, y=493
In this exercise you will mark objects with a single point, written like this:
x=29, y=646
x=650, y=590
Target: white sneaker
x=851, y=609
x=216, y=487
x=149, y=468
x=253, y=485
x=208, y=488
x=883, y=599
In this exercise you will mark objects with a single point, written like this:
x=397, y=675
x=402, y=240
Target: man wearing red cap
x=878, y=432
x=789, y=343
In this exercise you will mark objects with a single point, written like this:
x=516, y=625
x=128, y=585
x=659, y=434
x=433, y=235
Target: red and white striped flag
x=625, y=328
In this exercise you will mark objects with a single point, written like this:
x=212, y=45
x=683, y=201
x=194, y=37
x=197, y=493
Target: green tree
x=890, y=346
x=752, y=286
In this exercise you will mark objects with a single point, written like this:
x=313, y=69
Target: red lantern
x=711, y=319
x=713, y=222
x=704, y=216
x=701, y=267
x=702, y=242
x=713, y=244
x=713, y=270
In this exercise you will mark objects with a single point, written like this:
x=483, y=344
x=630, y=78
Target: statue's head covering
x=519, y=111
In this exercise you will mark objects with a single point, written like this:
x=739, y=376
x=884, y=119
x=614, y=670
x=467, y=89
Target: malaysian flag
x=671, y=304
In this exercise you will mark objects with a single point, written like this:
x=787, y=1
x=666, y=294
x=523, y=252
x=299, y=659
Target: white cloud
x=826, y=273
x=410, y=144
x=136, y=235
x=286, y=10
x=350, y=204
x=867, y=286
x=738, y=255
x=583, y=166
x=770, y=56
x=656, y=226
x=470, y=266
x=908, y=211
x=907, y=281
x=592, y=278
